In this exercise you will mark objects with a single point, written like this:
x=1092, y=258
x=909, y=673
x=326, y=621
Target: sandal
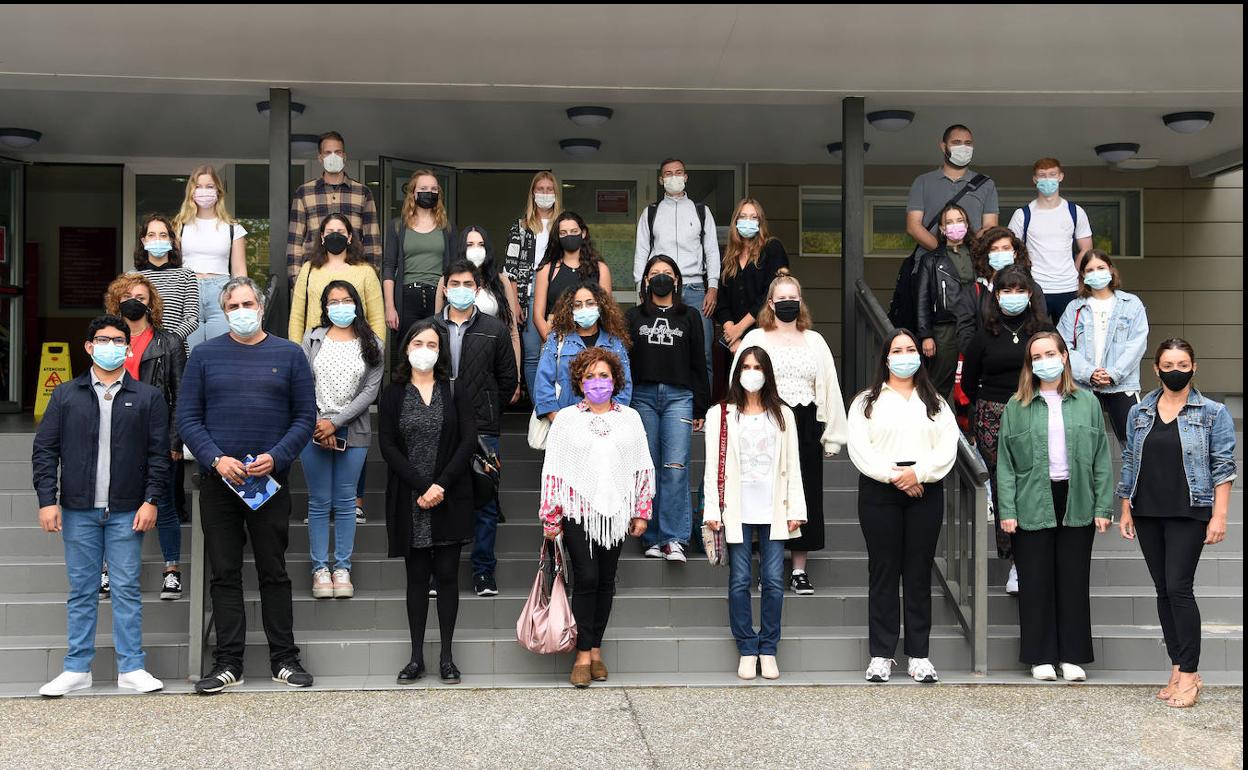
x=1185, y=699
x=1166, y=692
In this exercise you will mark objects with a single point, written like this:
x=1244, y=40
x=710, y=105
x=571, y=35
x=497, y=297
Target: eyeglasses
x=335, y=302
x=109, y=340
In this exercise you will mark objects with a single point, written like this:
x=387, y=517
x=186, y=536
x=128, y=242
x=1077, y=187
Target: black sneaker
x=800, y=584
x=411, y=672
x=105, y=591
x=433, y=587
x=448, y=673
x=292, y=673
x=220, y=678
x=485, y=585
x=171, y=586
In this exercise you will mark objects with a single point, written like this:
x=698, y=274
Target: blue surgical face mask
x=342, y=315
x=904, y=364
x=1098, y=279
x=244, y=321
x=747, y=228
x=585, y=317
x=1000, y=259
x=461, y=297
x=1048, y=369
x=1047, y=187
x=1013, y=304
x=108, y=357
x=158, y=248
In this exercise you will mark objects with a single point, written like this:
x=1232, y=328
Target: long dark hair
x=768, y=395
x=678, y=302
x=141, y=259
x=490, y=280
x=442, y=369
x=363, y=332
x=610, y=319
x=922, y=382
x=355, y=249
x=1013, y=277
x=589, y=255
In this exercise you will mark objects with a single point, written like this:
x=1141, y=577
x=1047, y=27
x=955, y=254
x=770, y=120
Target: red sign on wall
x=88, y=262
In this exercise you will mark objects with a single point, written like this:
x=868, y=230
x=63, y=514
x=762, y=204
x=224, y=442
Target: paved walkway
x=998, y=727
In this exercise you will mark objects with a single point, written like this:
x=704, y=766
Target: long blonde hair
x=532, y=214
x=409, y=201
x=1029, y=383
x=737, y=245
x=767, y=316
x=190, y=210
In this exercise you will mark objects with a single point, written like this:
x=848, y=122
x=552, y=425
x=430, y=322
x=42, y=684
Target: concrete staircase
x=669, y=622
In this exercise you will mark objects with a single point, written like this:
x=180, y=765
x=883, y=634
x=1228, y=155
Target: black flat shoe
x=449, y=674
x=410, y=673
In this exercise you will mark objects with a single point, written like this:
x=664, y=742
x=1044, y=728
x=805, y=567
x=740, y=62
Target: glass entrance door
x=11, y=289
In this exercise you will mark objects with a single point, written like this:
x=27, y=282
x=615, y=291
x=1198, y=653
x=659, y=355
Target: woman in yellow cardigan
x=338, y=256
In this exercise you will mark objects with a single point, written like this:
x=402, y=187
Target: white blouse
x=486, y=303
x=756, y=451
x=339, y=369
x=796, y=370
x=899, y=430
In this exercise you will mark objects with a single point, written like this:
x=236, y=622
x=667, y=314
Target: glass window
x=821, y=225
x=250, y=199
x=888, y=230
x=1115, y=217
x=716, y=189
x=158, y=194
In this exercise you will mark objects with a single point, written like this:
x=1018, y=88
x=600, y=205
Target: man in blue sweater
x=247, y=394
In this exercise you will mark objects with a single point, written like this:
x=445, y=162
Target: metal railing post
x=198, y=624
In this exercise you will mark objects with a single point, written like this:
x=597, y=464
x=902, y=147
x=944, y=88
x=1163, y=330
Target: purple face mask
x=598, y=391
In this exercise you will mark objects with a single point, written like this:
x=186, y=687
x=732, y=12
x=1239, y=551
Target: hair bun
x=783, y=272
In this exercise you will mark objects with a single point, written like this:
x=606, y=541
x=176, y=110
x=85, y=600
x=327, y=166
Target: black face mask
x=335, y=243
x=788, y=310
x=132, y=309
x=1175, y=380
x=570, y=243
x=427, y=200
x=662, y=285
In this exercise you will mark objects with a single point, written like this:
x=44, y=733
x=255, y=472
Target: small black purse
x=486, y=474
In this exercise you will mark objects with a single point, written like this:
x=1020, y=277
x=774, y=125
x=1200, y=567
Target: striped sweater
x=179, y=291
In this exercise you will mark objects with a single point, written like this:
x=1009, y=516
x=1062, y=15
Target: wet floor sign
x=53, y=370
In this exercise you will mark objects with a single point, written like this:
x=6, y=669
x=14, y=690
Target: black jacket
x=943, y=298
x=161, y=367
x=68, y=440
x=452, y=518
x=487, y=369
x=745, y=293
x=668, y=350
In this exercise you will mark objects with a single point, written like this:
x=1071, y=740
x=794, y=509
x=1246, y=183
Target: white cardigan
x=829, y=406
x=787, y=501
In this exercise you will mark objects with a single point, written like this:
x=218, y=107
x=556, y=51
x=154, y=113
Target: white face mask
x=544, y=200
x=674, y=185
x=333, y=163
x=475, y=255
x=423, y=359
x=753, y=380
x=960, y=155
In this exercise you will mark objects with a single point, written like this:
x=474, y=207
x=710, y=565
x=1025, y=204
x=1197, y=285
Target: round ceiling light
x=580, y=148
x=1187, y=122
x=19, y=138
x=1116, y=152
x=890, y=120
x=837, y=149
x=590, y=117
x=304, y=145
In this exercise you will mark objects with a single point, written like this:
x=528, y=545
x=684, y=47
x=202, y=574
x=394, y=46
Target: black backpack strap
x=651, y=212
x=701, y=209
x=976, y=182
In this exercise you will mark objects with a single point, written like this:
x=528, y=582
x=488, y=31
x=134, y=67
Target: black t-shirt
x=590, y=339
x=560, y=279
x=1161, y=488
x=992, y=363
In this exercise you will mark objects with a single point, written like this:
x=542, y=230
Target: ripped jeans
x=667, y=415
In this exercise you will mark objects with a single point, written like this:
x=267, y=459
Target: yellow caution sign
x=53, y=370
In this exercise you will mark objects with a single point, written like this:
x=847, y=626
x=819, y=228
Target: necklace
x=1014, y=332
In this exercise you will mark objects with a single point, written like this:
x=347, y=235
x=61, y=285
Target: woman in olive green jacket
x=1055, y=492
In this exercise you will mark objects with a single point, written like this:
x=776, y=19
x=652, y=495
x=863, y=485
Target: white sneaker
x=1011, y=582
x=322, y=584
x=768, y=664
x=139, y=681
x=880, y=669
x=1044, y=673
x=66, y=682
x=922, y=671
x=1073, y=673
x=674, y=552
x=343, y=589
x=748, y=667
x=655, y=552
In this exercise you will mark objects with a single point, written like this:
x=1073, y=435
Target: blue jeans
x=771, y=568
x=485, y=526
x=331, y=477
x=212, y=322
x=693, y=297
x=531, y=349
x=168, y=525
x=667, y=415
x=91, y=537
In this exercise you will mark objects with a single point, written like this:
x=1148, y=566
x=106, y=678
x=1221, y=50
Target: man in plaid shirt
x=333, y=192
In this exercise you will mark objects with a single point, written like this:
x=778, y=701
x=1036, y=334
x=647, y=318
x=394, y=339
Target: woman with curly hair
x=992, y=252
x=585, y=317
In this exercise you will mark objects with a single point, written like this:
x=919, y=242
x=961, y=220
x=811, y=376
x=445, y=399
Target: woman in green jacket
x=1053, y=483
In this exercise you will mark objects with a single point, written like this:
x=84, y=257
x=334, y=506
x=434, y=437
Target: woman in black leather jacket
x=946, y=303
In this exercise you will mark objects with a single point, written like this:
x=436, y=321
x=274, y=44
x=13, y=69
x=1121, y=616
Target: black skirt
x=810, y=455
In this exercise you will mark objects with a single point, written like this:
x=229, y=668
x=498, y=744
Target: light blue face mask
x=1048, y=369
x=108, y=357
x=747, y=228
x=244, y=321
x=158, y=248
x=1047, y=187
x=904, y=365
x=461, y=297
x=585, y=317
x=1098, y=279
x=1013, y=304
x=342, y=316
x=1000, y=259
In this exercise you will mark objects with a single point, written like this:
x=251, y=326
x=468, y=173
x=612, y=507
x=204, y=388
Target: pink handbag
x=546, y=625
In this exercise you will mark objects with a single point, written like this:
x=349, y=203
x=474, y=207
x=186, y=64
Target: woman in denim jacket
x=1177, y=467
x=1106, y=330
x=584, y=317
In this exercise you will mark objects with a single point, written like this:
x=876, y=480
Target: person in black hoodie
x=946, y=304
x=670, y=392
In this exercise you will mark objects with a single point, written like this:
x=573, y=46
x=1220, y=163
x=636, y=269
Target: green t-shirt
x=422, y=256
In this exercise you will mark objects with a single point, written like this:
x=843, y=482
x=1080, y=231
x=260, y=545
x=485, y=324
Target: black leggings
x=443, y=562
x=593, y=584
x=1172, y=547
x=1118, y=405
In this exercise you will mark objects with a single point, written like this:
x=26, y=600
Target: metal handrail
x=201, y=612
x=963, y=568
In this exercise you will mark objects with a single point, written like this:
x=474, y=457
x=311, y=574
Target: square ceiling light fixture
x=580, y=148
x=590, y=117
x=1187, y=122
x=1116, y=152
x=19, y=138
x=890, y=120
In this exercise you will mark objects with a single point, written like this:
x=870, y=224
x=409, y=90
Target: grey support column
x=853, y=129
x=278, y=311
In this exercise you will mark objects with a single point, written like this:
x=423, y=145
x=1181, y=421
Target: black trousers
x=1172, y=547
x=442, y=562
x=901, y=534
x=593, y=584
x=1118, y=405
x=228, y=523
x=810, y=459
x=1054, y=607
x=418, y=303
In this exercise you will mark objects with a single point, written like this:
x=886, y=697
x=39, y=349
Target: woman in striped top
x=158, y=258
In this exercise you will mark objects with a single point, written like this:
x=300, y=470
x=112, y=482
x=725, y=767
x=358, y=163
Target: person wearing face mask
x=1055, y=492
x=903, y=439
x=497, y=296
x=213, y=245
x=994, y=250
x=585, y=317
x=345, y=354
x=247, y=408
x=1107, y=331
x=1057, y=234
x=158, y=259
x=990, y=370
x=419, y=246
x=754, y=490
x=104, y=442
x=1178, y=464
x=571, y=259
x=670, y=393
x=483, y=367
x=337, y=256
x=807, y=382
x=427, y=435
x=333, y=192
x=527, y=241
x=597, y=487
x=156, y=357
x=946, y=304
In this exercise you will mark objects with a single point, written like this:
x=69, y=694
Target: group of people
x=725, y=346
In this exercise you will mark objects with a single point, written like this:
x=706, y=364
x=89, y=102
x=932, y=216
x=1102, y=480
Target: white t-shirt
x=206, y=246
x=1101, y=310
x=543, y=238
x=757, y=444
x=1049, y=239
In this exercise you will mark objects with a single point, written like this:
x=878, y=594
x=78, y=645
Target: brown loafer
x=580, y=676
x=598, y=670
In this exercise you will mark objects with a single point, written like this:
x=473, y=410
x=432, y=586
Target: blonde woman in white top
x=213, y=245
x=756, y=436
x=903, y=439
x=807, y=383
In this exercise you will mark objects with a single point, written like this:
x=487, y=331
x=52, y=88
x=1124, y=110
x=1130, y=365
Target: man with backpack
x=1057, y=234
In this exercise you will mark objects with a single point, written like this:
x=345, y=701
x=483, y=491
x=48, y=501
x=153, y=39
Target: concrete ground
x=947, y=726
